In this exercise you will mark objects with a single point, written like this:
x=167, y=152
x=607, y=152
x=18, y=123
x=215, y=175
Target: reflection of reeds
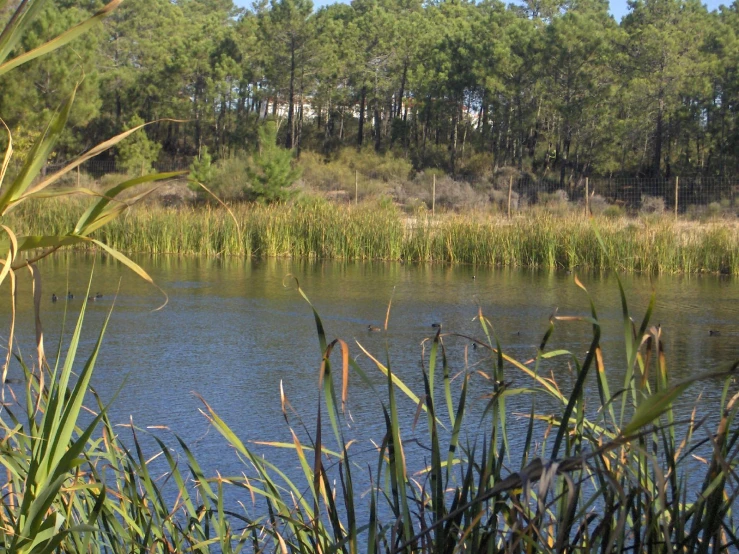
x=320, y=229
x=618, y=478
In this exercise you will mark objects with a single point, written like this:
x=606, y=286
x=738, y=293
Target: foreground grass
x=372, y=231
x=620, y=478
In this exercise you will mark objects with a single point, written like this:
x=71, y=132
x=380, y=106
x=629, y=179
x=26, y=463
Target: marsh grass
x=378, y=230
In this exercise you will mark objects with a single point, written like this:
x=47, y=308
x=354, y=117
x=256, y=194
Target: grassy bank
x=379, y=231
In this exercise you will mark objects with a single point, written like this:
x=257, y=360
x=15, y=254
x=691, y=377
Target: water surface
x=233, y=330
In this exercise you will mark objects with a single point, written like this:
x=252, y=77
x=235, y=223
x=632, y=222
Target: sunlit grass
x=379, y=231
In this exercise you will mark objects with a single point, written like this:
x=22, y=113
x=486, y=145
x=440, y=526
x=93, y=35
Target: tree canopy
x=548, y=86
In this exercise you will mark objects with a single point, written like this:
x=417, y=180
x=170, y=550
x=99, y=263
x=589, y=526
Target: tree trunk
x=657, y=159
x=362, y=101
x=453, y=155
x=402, y=89
x=291, y=99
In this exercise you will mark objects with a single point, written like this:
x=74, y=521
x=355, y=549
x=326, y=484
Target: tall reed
x=375, y=231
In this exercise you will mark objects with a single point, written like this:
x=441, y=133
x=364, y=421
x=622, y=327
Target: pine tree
x=272, y=172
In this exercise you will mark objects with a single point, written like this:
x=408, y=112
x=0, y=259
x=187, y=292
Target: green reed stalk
x=370, y=232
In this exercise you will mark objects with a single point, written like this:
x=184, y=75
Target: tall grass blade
x=57, y=42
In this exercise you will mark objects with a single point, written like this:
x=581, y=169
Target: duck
x=54, y=297
x=373, y=328
x=436, y=325
x=712, y=333
x=98, y=296
x=70, y=296
x=474, y=346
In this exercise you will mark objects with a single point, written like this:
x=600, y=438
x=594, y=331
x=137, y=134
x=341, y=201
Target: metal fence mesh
x=681, y=194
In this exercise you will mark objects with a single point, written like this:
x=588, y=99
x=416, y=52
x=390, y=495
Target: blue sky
x=618, y=7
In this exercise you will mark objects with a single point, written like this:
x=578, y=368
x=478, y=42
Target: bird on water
x=54, y=297
x=70, y=296
x=373, y=328
x=713, y=333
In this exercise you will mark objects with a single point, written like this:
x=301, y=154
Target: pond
x=234, y=330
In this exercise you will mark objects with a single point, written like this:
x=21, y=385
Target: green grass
x=314, y=228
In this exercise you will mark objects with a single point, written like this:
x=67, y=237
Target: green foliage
x=272, y=172
x=137, y=154
x=202, y=169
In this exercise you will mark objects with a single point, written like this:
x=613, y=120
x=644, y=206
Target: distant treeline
x=557, y=88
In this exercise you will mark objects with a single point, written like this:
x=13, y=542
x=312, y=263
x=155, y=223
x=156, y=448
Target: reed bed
x=618, y=478
x=376, y=231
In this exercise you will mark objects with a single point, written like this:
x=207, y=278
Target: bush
x=372, y=165
x=477, y=168
x=652, y=204
x=556, y=199
x=714, y=209
x=457, y=195
x=499, y=199
x=598, y=204
x=323, y=174
x=613, y=211
x=229, y=181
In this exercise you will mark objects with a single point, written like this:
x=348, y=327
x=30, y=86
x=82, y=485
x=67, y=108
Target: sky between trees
x=618, y=8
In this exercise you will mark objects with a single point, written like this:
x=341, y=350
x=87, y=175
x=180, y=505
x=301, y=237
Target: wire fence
x=97, y=168
x=679, y=194
x=690, y=195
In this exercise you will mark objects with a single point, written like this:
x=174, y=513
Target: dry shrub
x=376, y=166
x=320, y=174
x=499, y=198
x=458, y=195
x=477, y=168
x=556, y=199
x=652, y=204
x=598, y=204
x=229, y=177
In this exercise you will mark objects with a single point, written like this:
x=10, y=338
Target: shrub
x=714, y=209
x=499, y=198
x=323, y=174
x=375, y=166
x=555, y=199
x=652, y=204
x=598, y=204
x=613, y=211
x=454, y=194
x=477, y=168
x=229, y=181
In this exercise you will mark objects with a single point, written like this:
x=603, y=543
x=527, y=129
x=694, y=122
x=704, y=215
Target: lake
x=233, y=330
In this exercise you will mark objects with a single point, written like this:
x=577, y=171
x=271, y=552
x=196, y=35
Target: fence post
x=587, y=197
x=433, y=196
x=356, y=187
x=677, y=181
x=510, y=191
